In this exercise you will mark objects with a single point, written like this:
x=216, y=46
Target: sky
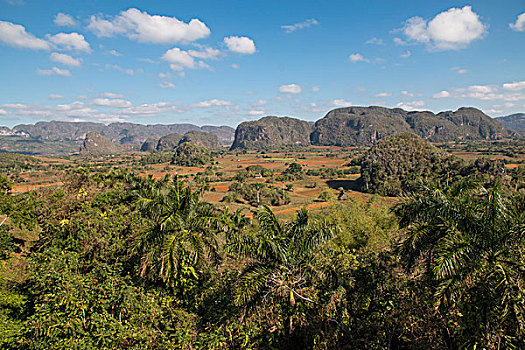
x=224, y=62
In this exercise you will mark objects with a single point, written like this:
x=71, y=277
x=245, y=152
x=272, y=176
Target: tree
x=181, y=240
x=471, y=240
x=282, y=257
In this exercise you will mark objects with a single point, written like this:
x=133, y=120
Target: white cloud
x=179, y=59
x=54, y=71
x=484, y=89
x=515, y=86
x=211, y=103
x=235, y=66
x=406, y=93
x=384, y=94
x=146, y=28
x=374, y=41
x=112, y=95
x=205, y=53
x=449, y=30
x=70, y=41
x=293, y=27
x=115, y=53
x=341, y=103
x=55, y=97
x=441, y=94
x=316, y=89
x=519, y=26
x=406, y=54
x=399, y=41
x=64, y=20
x=16, y=35
x=357, y=57
x=106, y=102
x=3, y=112
x=240, y=44
x=65, y=59
x=509, y=94
x=411, y=106
x=166, y=85
x=256, y=112
x=290, y=89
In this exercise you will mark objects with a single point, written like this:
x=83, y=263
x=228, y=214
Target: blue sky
x=224, y=62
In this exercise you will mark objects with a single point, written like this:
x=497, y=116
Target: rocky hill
x=202, y=138
x=96, y=144
x=168, y=142
x=364, y=125
x=272, y=132
x=119, y=133
x=515, y=122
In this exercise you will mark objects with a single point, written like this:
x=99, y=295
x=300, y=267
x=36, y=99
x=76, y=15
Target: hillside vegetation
x=271, y=132
x=352, y=126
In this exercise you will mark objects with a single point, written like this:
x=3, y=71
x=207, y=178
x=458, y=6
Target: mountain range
x=348, y=126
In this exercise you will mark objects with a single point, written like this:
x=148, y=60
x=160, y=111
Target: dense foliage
x=116, y=261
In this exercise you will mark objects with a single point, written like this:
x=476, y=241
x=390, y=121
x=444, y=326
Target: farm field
x=327, y=174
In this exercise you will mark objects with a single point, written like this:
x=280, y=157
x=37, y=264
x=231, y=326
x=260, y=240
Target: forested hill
x=120, y=133
x=352, y=126
x=364, y=125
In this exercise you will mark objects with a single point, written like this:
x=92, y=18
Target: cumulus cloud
x=256, y=112
x=519, y=25
x=54, y=71
x=240, y=44
x=235, y=66
x=290, y=89
x=383, y=94
x=107, y=102
x=411, y=106
x=112, y=95
x=441, y=94
x=179, y=59
x=64, y=20
x=293, y=27
x=511, y=92
x=407, y=93
x=205, y=53
x=357, y=57
x=211, y=103
x=515, y=86
x=65, y=59
x=449, y=30
x=70, y=41
x=341, y=103
x=16, y=35
x=115, y=53
x=146, y=28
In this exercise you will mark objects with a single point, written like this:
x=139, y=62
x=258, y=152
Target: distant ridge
x=118, y=133
x=514, y=121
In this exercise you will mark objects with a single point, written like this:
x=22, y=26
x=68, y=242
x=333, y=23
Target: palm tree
x=471, y=240
x=181, y=239
x=281, y=257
